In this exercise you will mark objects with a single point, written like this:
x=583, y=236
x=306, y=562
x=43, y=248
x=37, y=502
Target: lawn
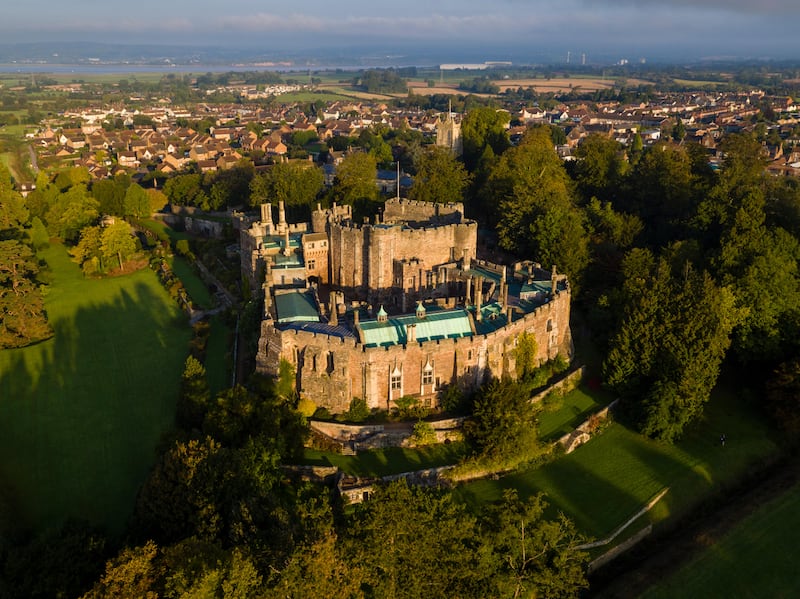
x=194, y=285
x=563, y=415
x=392, y=460
x=610, y=478
x=757, y=558
x=82, y=413
x=217, y=360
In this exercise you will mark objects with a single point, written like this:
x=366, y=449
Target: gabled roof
x=296, y=306
x=443, y=324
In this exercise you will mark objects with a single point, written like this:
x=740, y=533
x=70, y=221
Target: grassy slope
x=81, y=414
x=609, y=479
x=756, y=559
x=393, y=460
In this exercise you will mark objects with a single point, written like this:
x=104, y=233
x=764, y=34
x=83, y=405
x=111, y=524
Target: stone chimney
x=266, y=213
x=411, y=333
x=468, y=298
x=333, y=320
x=467, y=261
x=286, y=249
x=355, y=317
x=478, y=298
x=281, y=216
x=554, y=282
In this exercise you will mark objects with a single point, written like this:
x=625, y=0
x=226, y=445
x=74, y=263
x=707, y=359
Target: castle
x=395, y=307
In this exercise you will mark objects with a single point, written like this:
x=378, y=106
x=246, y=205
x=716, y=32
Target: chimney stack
x=554, y=282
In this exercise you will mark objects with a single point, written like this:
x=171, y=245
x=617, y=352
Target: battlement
x=413, y=211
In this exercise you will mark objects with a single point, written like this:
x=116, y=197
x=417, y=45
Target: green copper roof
x=296, y=306
x=445, y=324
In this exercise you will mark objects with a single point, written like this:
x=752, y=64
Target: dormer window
x=382, y=315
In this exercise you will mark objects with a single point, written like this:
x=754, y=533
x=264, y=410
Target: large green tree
x=136, y=203
x=356, y=179
x=537, y=215
x=601, y=168
x=484, y=127
x=23, y=319
x=502, y=429
x=440, y=177
x=666, y=355
x=528, y=555
x=71, y=211
x=413, y=543
x=294, y=183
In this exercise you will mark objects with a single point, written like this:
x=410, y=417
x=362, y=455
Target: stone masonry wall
x=333, y=370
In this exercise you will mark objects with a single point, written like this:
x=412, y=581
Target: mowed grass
x=757, y=558
x=563, y=415
x=607, y=480
x=194, y=285
x=81, y=414
x=392, y=460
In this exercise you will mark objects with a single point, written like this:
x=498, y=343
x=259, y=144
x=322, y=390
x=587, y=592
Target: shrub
x=424, y=433
x=358, y=412
x=306, y=407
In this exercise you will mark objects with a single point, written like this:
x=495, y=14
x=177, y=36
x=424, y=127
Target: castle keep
x=400, y=306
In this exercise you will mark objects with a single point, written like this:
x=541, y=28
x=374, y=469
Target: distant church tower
x=448, y=133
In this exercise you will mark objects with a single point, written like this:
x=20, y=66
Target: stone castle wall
x=402, y=210
x=363, y=257
x=331, y=370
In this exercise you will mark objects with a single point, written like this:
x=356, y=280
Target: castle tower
x=448, y=134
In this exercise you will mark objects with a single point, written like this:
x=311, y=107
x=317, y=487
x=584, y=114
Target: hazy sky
x=708, y=27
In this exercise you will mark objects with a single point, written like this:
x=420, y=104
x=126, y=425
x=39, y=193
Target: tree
x=294, y=183
x=130, y=575
x=319, y=570
x=600, y=169
x=72, y=210
x=665, y=358
x=23, y=319
x=537, y=216
x=58, y=563
x=664, y=192
x=181, y=496
x=783, y=396
x=13, y=214
x=157, y=199
x=502, y=429
x=117, y=242
x=136, y=202
x=528, y=556
x=356, y=179
x=183, y=190
x=440, y=177
x=484, y=127
x=413, y=542
x=88, y=252
x=110, y=194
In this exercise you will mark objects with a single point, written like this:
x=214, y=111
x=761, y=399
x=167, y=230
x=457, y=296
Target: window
x=311, y=264
x=427, y=377
x=396, y=381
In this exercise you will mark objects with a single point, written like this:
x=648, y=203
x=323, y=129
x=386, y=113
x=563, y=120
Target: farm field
x=757, y=558
x=81, y=414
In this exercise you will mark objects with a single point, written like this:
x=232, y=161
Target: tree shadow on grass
x=81, y=414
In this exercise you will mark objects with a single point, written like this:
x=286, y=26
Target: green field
x=606, y=481
x=194, y=285
x=217, y=360
x=81, y=414
x=758, y=558
x=393, y=460
x=564, y=414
